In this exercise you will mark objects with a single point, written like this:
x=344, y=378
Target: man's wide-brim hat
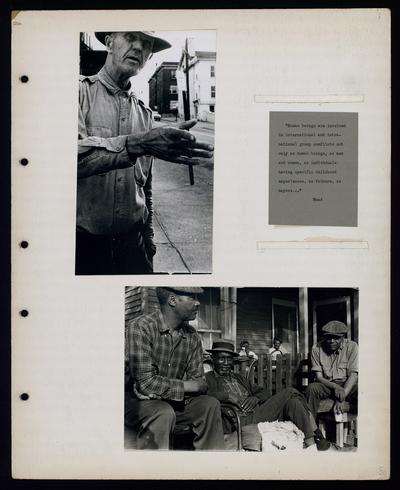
x=158, y=43
x=335, y=328
x=183, y=291
x=223, y=345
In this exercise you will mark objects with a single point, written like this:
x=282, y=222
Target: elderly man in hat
x=166, y=383
x=255, y=404
x=334, y=360
x=116, y=146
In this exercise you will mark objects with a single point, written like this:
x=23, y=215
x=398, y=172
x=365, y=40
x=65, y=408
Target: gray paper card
x=313, y=160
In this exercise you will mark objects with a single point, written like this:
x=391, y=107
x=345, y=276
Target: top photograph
x=147, y=103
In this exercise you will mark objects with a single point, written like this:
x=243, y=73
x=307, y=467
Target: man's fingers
x=181, y=134
x=191, y=145
x=189, y=152
x=203, y=146
x=188, y=124
x=185, y=161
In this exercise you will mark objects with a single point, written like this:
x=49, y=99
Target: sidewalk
x=182, y=218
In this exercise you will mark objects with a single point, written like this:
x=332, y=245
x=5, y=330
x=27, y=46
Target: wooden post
x=289, y=370
x=186, y=106
x=268, y=373
x=278, y=373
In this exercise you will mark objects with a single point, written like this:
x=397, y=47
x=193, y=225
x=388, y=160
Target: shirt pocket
x=100, y=131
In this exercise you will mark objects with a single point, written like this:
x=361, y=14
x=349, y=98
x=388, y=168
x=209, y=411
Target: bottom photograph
x=241, y=369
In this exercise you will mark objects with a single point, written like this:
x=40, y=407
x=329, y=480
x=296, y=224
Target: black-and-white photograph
x=241, y=369
x=147, y=104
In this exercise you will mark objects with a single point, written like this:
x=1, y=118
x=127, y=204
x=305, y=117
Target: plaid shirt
x=159, y=361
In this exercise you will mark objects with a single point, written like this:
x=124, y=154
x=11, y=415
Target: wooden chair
x=345, y=424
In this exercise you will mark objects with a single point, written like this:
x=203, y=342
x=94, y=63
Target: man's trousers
x=288, y=404
x=318, y=391
x=119, y=254
x=154, y=421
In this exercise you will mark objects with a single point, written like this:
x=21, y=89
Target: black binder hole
x=24, y=396
x=24, y=313
x=24, y=244
x=24, y=161
x=24, y=79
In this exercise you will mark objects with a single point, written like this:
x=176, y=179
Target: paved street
x=183, y=213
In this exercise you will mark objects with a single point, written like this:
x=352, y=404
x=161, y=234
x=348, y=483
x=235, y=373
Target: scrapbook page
x=200, y=244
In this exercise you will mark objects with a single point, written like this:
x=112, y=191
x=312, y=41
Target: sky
x=201, y=41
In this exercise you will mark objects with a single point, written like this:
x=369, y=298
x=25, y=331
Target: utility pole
x=186, y=103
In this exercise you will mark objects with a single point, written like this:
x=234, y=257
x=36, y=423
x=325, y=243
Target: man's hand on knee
x=171, y=144
x=141, y=396
x=340, y=393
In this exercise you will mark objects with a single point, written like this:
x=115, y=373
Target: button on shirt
x=337, y=365
x=159, y=360
x=110, y=200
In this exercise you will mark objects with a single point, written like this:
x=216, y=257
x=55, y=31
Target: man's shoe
x=322, y=444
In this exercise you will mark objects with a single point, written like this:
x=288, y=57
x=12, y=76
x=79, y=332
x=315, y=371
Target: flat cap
x=182, y=290
x=158, y=43
x=335, y=328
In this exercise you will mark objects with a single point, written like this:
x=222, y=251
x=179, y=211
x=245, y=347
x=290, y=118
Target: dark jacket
x=215, y=387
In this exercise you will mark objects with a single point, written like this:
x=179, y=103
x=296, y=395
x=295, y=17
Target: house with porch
x=294, y=315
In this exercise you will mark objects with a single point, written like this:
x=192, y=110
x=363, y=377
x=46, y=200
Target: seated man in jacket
x=334, y=361
x=255, y=404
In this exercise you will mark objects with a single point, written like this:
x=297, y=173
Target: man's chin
x=132, y=71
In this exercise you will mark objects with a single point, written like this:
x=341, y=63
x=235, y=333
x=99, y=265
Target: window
x=212, y=71
x=285, y=324
x=212, y=90
x=173, y=89
x=212, y=108
x=173, y=74
x=207, y=322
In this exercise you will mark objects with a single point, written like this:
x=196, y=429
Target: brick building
x=163, y=90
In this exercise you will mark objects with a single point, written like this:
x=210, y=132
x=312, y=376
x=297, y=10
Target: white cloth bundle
x=280, y=436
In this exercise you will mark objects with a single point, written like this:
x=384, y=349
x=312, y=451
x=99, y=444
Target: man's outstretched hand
x=176, y=145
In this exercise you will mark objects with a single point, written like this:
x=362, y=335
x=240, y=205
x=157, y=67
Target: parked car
x=156, y=116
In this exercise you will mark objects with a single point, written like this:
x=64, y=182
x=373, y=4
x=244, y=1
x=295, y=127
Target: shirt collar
x=111, y=86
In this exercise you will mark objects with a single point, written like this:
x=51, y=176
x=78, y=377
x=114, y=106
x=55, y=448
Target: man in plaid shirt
x=165, y=383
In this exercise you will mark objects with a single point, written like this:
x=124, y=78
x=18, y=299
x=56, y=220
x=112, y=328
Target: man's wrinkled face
x=223, y=363
x=333, y=342
x=186, y=306
x=129, y=51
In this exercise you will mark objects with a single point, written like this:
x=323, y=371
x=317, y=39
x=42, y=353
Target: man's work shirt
x=110, y=200
x=159, y=360
x=337, y=365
